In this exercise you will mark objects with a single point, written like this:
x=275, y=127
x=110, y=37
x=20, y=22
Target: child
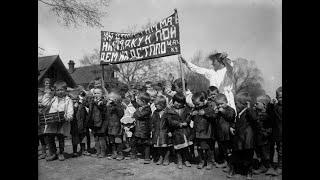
x=212, y=93
x=242, y=155
x=79, y=125
x=60, y=102
x=161, y=139
x=41, y=135
x=142, y=127
x=224, y=121
x=262, y=133
x=202, y=115
x=276, y=117
x=179, y=121
x=127, y=121
x=172, y=89
x=97, y=122
x=113, y=115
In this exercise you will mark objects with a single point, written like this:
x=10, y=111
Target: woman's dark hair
x=202, y=96
x=179, y=97
x=223, y=59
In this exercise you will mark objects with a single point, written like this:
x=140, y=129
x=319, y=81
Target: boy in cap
x=262, y=133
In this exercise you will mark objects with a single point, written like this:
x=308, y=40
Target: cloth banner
x=159, y=40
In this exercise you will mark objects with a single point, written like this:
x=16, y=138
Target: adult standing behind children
x=220, y=76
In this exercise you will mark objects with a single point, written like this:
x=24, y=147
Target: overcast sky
x=251, y=29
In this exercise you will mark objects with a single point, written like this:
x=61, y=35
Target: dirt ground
x=90, y=168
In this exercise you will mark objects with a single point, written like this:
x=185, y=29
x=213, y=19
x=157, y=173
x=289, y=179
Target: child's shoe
x=86, y=153
x=271, y=172
x=249, y=176
x=160, y=161
x=261, y=170
x=209, y=166
x=120, y=157
x=200, y=165
x=222, y=165
x=279, y=171
x=133, y=156
x=74, y=155
x=146, y=161
x=187, y=163
x=51, y=157
x=95, y=155
x=42, y=156
x=61, y=157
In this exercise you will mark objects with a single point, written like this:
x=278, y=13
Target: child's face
x=97, y=93
x=140, y=102
x=260, y=106
x=213, y=94
x=177, y=88
x=279, y=97
x=97, y=83
x=221, y=103
x=159, y=105
x=177, y=105
x=60, y=91
x=198, y=103
x=47, y=83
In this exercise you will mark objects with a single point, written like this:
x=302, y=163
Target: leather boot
x=231, y=172
x=114, y=152
x=98, y=149
x=160, y=153
x=103, y=147
x=43, y=152
x=166, y=158
x=201, y=155
x=147, y=155
x=179, y=158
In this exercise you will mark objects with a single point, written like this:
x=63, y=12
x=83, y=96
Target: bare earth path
x=89, y=168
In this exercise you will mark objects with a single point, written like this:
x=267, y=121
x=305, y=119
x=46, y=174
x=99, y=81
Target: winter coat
x=57, y=105
x=263, y=130
x=223, y=123
x=244, y=134
x=203, y=124
x=113, y=115
x=178, y=132
x=143, y=122
x=79, y=124
x=276, y=121
x=160, y=129
x=97, y=121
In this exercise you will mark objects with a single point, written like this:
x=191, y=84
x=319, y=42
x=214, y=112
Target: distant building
x=52, y=67
x=85, y=74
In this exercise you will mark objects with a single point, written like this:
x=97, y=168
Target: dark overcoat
x=203, y=124
x=244, y=134
x=160, y=129
x=113, y=115
x=143, y=122
x=225, y=120
x=178, y=132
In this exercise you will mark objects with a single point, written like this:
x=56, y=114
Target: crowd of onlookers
x=165, y=124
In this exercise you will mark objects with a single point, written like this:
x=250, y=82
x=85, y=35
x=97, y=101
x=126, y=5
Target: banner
x=159, y=40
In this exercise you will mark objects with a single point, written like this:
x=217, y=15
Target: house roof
x=44, y=63
x=85, y=74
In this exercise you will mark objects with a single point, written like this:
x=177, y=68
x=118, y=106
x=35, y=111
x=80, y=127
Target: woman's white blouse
x=216, y=78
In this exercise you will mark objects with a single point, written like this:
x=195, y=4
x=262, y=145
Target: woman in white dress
x=220, y=76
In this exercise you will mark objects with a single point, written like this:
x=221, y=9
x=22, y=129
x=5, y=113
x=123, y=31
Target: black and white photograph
x=159, y=89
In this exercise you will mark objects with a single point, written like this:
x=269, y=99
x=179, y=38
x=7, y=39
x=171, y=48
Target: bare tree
x=90, y=58
x=197, y=82
x=76, y=12
x=247, y=77
x=40, y=51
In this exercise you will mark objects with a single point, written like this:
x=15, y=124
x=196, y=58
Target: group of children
x=165, y=124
